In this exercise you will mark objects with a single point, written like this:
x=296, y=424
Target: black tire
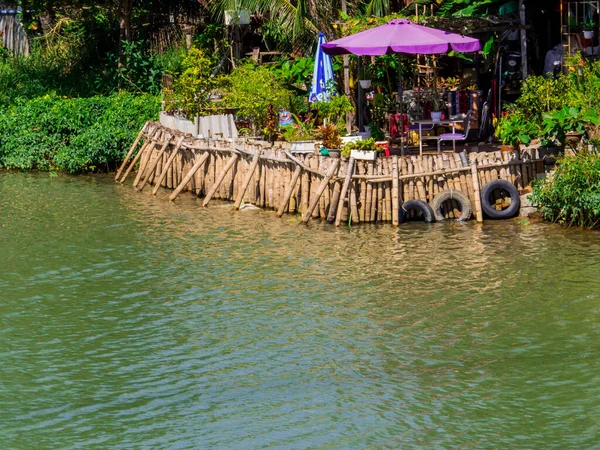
x=452, y=194
x=486, y=204
x=418, y=205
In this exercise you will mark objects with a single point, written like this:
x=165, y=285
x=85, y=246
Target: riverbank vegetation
x=571, y=196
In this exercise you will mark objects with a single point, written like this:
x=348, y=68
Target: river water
x=129, y=322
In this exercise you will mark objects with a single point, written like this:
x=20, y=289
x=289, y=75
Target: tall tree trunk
x=125, y=7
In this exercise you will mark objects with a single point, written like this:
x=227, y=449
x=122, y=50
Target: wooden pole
x=249, y=174
x=165, y=169
x=395, y=192
x=289, y=190
x=477, y=194
x=315, y=200
x=131, y=150
x=154, y=165
x=146, y=161
x=151, y=141
x=524, y=68
x=335, y=197
x=338, y=216
x=189, y=175
x=219, y=180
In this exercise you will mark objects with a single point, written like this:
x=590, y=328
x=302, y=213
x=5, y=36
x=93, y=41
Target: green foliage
x=300, y=130
x=330, y=135
x=572, y=195
x=516, y=128
x=74, y=135
x=139, y=70
x=251, y=89
x=558, y=123
x=365, y=145
x=193, y=88
x=335, y=110
x=549, y=108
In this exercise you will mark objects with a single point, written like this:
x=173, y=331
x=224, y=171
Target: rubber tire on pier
x=452, y=194
x=419, y=205
x=515, y=200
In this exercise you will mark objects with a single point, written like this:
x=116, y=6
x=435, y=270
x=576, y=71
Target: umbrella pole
x=400, y=107
x=359, y=99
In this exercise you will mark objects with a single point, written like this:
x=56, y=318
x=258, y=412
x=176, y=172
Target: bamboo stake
x=340, y=207
x=395, y=192
x=145, y=161
x=246, y=182
x=362, y=210
x=335, y=197
x=139, y=154
x=219, y=180
x=315, y=200
x=166, y=166
x=131, y=150
x=289, y=190
x=477, y=194
x=154, y=164
x=369, y=196
x=353, y=206
x=189, y=176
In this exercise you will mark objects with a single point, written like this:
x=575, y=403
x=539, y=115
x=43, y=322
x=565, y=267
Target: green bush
x=251, y=89
x=572, y=194
x=73, y=135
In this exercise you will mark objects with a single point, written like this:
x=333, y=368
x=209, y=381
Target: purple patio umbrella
x=401, y=36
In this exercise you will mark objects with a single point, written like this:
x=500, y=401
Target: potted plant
x=331, y=138
x=588, y=28
x=568, y=125
x=366, y=149
x=300, y=134
x=365, y=77
x=437, y=105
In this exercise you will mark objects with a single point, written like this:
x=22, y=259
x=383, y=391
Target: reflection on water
x=128, y=321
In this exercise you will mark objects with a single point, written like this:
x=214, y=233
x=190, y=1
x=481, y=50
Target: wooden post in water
x=146, y=160
x=338, y=216
x=289, y=190
x=189, y=176
x=131, y=150
x=167, y=165
x=220, y=179
x=152, y=168
x=476, y=193
x=315, y=200
x=249, y=174
x=150, y=142
x=395, y=192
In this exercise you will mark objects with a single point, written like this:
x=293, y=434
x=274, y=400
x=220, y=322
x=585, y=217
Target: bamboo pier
x=316, y=187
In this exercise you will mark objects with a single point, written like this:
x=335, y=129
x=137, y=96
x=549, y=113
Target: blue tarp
x=322, y=75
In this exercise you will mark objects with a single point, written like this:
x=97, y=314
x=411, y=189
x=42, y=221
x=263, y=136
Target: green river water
x=130, y=322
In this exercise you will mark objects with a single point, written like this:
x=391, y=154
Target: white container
x=302, y=146
x=436, y=116
x=588, y=34
x=346, y=139
x=240, y=17
x=365, y=84
x=364, y=155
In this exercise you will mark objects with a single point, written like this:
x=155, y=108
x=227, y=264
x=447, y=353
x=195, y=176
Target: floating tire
x=486, y=203
x=418, y=205
x=452, y=194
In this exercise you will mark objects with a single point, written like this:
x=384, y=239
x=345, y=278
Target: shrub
x=251, y=89
x=74, y=135
x=572, y=195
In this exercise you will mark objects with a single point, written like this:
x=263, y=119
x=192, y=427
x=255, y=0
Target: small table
x=434, y=122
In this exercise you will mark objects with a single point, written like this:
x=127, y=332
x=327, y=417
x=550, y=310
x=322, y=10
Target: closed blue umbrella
x=322, y=75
